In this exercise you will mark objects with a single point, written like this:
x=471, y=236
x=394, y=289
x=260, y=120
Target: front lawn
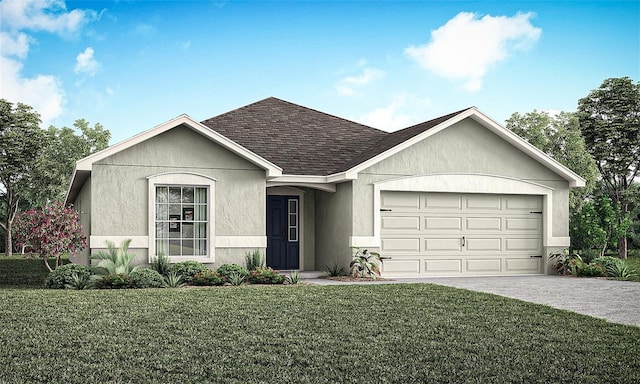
x=394, y=333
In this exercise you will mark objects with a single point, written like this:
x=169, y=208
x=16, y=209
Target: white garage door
x=460, y=234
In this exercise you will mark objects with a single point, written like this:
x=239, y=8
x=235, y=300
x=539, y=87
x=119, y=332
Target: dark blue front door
x=283, y=232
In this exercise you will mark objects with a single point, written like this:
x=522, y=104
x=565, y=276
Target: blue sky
x=131, y=65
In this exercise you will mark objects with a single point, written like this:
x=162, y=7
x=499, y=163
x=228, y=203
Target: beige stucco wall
x=308, y=262
x=334, y=225
x=119, y=191
x=466, y=147
x=82, y=204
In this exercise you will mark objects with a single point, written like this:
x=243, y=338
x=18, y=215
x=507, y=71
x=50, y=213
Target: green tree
x=610, y=123
x=21, y=143
x=64, y=146
x=559, y=137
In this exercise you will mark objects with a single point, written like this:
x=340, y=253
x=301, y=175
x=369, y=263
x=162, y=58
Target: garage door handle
x=385, y=210
x=538, y=256
x=463, y=241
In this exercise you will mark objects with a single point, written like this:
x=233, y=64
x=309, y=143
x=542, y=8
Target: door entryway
x=283, y=232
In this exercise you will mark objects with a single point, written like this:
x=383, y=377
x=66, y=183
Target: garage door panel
x=401, y=245
x=400, y=200
x=484, y=223
x=450, y=245
x=522, y=203
x=484, y=245
x=523, y=224
x=443, y=223
x=532, y=245
x=446, y=266
x=401, y=266
x=484, y=202
x=530, y=265
x=401, y=223
x=484, y=265
x=441, y=201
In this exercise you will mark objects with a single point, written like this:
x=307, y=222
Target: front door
x=283, y=232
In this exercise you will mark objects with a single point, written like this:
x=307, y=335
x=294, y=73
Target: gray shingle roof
x=303, y=141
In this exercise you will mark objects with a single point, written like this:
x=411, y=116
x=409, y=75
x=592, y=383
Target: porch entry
x=283, y=232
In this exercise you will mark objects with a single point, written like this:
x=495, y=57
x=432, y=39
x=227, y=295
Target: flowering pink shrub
x=51, y=231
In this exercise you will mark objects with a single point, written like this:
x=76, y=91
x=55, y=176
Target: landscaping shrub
x=114, y=281
x=225, y=270
x=173, y=280
x=266, y=276
x=619, y=269
x=116, y=260
x=236, y=279
x=365, y=264
x=254, y=260
x=146, y=278
x=188, y=269
x=335, y=269
x=161, y=264
x=207, y=278
x=580, y=268
x=604, y=261
x=62, y=276
x=293, y=278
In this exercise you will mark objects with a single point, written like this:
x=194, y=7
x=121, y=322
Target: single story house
x=456, y=195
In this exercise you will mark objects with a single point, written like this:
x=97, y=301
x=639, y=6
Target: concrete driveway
x=615, y=301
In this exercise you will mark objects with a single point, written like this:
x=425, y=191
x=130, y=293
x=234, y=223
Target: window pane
x=174, y=194
x=187, y=195
x=293, y=234
x=162, y=194
x=187, y=212
x=162, y=247
x=174, y=212
x=187, y=247
x=201, y=195
x=201, y=247
x=187, y=230
x=162, y=230
x=200, y=230
x=293, y=206
x=174, y=229
x=292, y=220
x=201, y=213
x=162, y=212
x=174, y=247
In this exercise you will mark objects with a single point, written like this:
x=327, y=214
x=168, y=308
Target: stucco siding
x=82, y=204
x=120, y=188
x=334, y=218
x=309, y=230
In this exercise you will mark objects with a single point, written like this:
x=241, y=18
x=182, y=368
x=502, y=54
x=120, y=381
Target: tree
x=21, y=141
x=559, y=137
x=51, y=231
x=610, y=123
x=63, y=148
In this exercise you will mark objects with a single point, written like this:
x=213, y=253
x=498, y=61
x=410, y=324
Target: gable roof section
x=83, y=166
x=407, y=137
x=301, y=140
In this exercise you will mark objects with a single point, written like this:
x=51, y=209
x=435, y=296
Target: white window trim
x=182, y=178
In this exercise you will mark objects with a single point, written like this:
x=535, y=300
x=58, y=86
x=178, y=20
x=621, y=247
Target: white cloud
x=403, y=111
x=348, y=85
x=86, y=62
x=43, y=15
x=467, y=46
x=42, y=91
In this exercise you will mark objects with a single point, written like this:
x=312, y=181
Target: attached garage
x=461, y=234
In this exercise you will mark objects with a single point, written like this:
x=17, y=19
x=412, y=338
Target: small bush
x=114, y=281
x=62, y=276
x=207, y=278
x=293, y=278
x=236, y=278
x=619, y=269
x=79, y=282
x=266, y=276
x=146, y=278
x=335, y=269
x=580, y=268
x=173, y=280
x=225, y=270
x=161, y=264
x=254, y=260
x=188, y=269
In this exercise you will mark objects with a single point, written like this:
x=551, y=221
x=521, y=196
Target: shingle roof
x=303, y=141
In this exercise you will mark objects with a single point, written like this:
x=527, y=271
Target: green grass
x=392, y=333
